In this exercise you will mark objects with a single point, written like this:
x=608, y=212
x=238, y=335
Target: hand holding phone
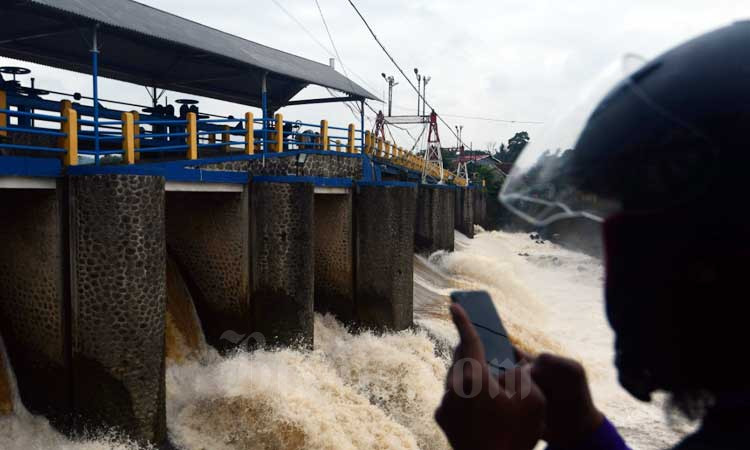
x=480, y=410
x=498, y=349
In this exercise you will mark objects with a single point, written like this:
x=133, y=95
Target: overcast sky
x=506, y=59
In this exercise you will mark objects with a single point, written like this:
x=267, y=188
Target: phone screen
x=498, y=349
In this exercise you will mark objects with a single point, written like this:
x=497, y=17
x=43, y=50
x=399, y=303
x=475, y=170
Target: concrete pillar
x=118, y=303
x=480, y=207
x=334, y=255
x=34, y=297
x=384, y=228
x=207, y=235
x=282, y=256
x=464, y=212
x=435, y=219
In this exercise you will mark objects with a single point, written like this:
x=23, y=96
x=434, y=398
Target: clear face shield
x=538, y=188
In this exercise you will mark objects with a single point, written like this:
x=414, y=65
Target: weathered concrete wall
x=464, y=212
x=330, y=165
x=207, y=233
x=384, y=229
x=435, y=219
x=6, y=389
x=480, y=207
x=334, y=255
x=282, y=256
x=118, y=303
x=33, y=297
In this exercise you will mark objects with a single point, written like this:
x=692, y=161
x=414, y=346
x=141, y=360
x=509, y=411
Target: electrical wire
x=408, y=80
x=487, y=119
x=468, y=117
x=338, y=56
x=320, y=44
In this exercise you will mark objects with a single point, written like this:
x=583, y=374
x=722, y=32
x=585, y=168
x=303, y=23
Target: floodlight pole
x=95, y=75
x=425, y=80
x=362, y=125
x=264, y=95
x=391, y=84
x=419, y=88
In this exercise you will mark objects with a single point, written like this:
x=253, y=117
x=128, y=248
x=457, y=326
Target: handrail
x=29, y=115
x=153, y=134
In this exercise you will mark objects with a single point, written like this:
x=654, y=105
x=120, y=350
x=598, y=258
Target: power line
x=320, y=44
x=487, y=119
x=408, y=80
x=343, y=66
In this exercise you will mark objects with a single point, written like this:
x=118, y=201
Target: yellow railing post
x=136, y=118
x=367, y=142
x=350, y=142
x=3, y=116
x=70, y=142
x=380, y=148
x=64, y=105
x=226, y=138
x=279, y=133
x=249, y=134
x=324, y=135
x=128, y=137
x=192, y=139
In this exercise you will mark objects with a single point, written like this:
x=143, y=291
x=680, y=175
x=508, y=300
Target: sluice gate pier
x=267, y=220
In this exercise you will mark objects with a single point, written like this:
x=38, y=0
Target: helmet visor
x=559, y=175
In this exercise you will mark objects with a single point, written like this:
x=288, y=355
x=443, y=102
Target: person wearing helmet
x=662, y=164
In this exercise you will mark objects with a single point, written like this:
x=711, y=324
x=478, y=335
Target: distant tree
x=516, y=144
x=500, y=151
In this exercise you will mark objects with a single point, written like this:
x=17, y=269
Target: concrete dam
x=100, y=271
x=131, y=237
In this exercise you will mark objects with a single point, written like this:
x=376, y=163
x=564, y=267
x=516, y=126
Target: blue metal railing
x=24, y=127
x=157, y=134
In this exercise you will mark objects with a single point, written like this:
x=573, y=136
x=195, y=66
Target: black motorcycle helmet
x=662, y=162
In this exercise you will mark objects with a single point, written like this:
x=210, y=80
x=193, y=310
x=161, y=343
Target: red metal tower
x=433, y=157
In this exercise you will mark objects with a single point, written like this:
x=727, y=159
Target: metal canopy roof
x=147, y=46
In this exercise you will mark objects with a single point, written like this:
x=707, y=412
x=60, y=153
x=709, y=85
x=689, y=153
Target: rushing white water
x=369, y=391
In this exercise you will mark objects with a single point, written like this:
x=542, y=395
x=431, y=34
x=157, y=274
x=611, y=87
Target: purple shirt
x=605, y=437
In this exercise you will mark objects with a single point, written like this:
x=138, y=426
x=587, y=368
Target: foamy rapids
x=371, y=391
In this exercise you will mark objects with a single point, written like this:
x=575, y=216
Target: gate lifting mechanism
x=433, y=157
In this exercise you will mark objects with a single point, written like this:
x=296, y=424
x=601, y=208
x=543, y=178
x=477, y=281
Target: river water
x=379, y=392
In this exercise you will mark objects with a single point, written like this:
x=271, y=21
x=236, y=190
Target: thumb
x=471, y=345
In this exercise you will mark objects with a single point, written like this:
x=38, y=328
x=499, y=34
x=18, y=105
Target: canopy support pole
x=362, y=125
x=95, y=74
x=264, y=94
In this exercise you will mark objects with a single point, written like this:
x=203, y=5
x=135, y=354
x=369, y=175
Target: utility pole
x=419, y=88
x=425, y=80
x=391, y=84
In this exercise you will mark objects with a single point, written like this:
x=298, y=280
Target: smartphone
x=498, y=349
